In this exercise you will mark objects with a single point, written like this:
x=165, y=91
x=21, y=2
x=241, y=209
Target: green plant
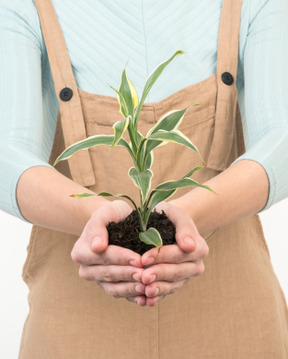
x=141, y=149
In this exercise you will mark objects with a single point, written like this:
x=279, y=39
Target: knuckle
x=180, y=274
x=83, y=274
x=76, y=257
x=113, y=292
x=104, y=260
x=110, y=291
x=178, y=257
x=199, y=269
x=172, y=291
x=106, y=276
x=203, y=252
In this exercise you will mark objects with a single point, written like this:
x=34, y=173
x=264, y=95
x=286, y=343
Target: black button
x=66, y=94
x=227, y=78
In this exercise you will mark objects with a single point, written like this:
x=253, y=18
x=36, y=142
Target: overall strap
x=70, y=109
x=226, y=104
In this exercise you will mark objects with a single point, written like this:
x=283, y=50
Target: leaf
x=157, y=197
x=168, y=122
x=142, y=180
x=106, y=194
x=184, y=182
x=149, y=161
x=128, y=91
x=172, y=136
x=189, y=174
x=152, y=79
x=91, y=142
x=134, y=95
x=83, y=195
x=119, y=128
x=151, y=237
x=123, y=107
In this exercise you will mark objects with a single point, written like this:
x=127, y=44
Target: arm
x=259, y=177
x=241, y=190
x=26, y=133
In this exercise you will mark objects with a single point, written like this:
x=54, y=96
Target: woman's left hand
x=175, y=264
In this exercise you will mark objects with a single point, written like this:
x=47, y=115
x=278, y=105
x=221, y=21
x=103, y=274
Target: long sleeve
x=25, y=137
x=264, y=96
x=102, y=35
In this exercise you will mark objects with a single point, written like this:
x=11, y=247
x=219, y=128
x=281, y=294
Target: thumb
x=187, y=235
x=99, y=242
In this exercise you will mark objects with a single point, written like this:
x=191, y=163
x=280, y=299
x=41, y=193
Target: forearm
x=241, y=190
x=43, y=196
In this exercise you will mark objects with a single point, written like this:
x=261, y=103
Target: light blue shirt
x=101, y=35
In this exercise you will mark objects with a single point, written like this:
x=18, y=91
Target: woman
x=235, y=308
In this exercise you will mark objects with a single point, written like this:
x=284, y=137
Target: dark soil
x=126, y=233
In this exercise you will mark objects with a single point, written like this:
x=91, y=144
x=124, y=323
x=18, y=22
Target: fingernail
x=135, y=276
x=189, y=241
x=152, y=278
x=156, y=291
x=139, y=288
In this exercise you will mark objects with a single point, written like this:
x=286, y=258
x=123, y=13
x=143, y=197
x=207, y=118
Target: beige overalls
x=235, y=310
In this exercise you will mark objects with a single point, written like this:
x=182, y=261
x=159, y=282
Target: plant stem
x=132, y=139
x=143, y=225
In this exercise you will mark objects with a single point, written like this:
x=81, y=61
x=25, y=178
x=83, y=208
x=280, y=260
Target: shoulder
x=21, y=15
x=262, y=8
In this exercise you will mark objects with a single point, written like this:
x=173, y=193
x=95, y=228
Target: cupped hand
x=117, y=270
x=174, y=264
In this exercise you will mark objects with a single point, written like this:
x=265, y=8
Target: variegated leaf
x=123, y=106
x=106, y=194
x=151, y=80
x=151, y=237
x=119, y=129
x=142, y=180
x=171, y=136
x=128, y=91
x=83, y=195
x=149, y=160
x=189, y=174
x=91, y=142
x=168, y=122
x=183, y=182
x=157, y=197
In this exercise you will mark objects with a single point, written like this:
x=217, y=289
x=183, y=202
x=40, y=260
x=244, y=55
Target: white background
x=14, y=240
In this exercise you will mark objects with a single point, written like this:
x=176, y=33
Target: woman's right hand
x=117, y=270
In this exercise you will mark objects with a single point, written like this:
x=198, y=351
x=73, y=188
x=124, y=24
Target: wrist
x=84, y=207
x=189, y=204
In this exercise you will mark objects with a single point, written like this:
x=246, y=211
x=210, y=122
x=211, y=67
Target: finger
x=173, y=254
x=123, y=289
x=113, y=255
x=160, y=289
x=96, y=232
x=172, y=272
x=140, y=300
x=151, y=302
x=111, y=273
x=187, y=235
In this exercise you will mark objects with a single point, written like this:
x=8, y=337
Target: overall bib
x=235, y=309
